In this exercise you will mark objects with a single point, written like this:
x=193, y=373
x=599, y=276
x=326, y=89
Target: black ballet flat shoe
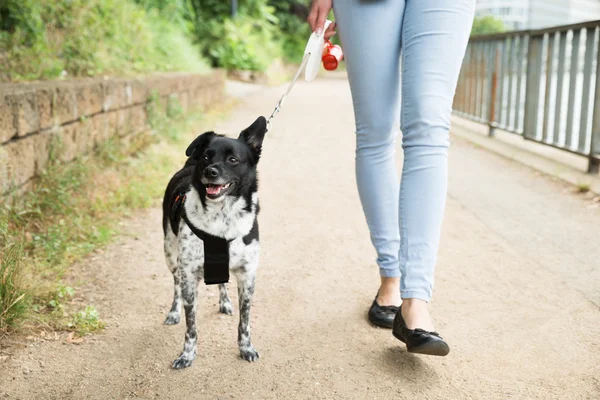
x=382, y=316
x=419, y=340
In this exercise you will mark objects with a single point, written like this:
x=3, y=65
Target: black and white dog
x=210, y=224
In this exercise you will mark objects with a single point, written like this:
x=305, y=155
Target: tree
x=486, y=25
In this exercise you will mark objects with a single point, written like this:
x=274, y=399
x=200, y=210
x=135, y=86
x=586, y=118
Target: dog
x=210, y=211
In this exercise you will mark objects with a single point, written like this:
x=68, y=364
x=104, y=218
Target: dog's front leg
x=225, y=306
x=245, y=281
x=189, y=292
x=174, y=314
x=171, y=255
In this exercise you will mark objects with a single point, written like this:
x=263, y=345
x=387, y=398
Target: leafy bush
x=242, y=44
x=46, y=39
x=246, y=42
x=41, y=39
x=487, y=25
x=294, y=34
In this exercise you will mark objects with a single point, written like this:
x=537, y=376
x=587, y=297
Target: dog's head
x=226, y=166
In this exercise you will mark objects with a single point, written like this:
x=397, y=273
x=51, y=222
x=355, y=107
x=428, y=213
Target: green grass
x=12, y=296
x=584, y=187
x=53, y=39
x=73, y=209
x=86, y=321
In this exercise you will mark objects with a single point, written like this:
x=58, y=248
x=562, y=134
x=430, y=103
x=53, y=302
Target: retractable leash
x=317, y=50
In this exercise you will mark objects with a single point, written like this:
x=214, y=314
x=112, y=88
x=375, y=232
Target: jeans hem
x=387, y=273
x=415, y=294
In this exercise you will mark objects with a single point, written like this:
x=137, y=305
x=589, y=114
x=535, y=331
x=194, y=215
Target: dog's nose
x=211, y=172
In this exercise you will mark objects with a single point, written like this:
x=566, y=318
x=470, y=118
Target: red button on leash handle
x=332, y=55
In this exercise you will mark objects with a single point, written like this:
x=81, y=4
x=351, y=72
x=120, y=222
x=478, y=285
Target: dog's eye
x=233, y=160
x=205, y=157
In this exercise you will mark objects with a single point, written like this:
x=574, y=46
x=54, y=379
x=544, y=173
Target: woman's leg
x=435, y=35
x=370, y=33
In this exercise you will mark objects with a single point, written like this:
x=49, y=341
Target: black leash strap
x=216, y=250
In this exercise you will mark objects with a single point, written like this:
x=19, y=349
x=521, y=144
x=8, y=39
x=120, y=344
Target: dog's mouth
x=214, y=191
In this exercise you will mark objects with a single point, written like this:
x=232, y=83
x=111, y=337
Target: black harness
x=216, y=249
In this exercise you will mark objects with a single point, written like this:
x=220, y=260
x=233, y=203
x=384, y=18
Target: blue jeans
x=404, y=220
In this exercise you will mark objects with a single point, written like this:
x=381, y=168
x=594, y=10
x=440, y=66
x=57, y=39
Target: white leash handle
x=314, y=47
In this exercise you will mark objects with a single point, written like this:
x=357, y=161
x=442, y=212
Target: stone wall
x=80, y=114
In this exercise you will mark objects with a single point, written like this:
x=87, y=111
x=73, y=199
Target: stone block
x=20, y=163
x=184, y=98
x=41, y=150
x=65, y=106
x=27, y=117
x=90, y=97
x=110, y=119
x=117, y=94
x=8, y=126
x=137, y=119
x=45, y=101
x=138, y=92
x=67, y=142
x=121, y=119
x=101, y=130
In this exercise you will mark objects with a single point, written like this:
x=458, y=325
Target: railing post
x=468, y=81
x=573, y=72
x=594, y=156
x=493, y=91
x=532, y=86
x=520, y=61
x=546, y=135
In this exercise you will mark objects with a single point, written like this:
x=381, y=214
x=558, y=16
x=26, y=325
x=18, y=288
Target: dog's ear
x=254, y=134
x=199, y=143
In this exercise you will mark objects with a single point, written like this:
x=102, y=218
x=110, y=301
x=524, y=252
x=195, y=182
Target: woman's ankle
x=415, y=313
x=389, y=292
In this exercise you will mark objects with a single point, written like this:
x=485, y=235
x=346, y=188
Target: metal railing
x=541, y=84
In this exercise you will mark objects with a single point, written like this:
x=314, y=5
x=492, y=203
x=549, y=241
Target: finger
x=312, y=18
x=330, y=30
x=321, y=17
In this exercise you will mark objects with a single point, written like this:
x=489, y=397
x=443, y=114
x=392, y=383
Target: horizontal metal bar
x=592, y=157
x=537, y=32
x=472, y=118
x=572, y=151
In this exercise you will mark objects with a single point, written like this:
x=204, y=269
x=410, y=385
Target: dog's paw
x=183, y=361
x=249, y=354
x=173, y=318
x=226, y=308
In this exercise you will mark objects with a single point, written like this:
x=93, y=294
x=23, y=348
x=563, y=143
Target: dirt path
x=517, y=289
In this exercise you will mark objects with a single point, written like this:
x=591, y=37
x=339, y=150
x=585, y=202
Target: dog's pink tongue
x=214, y=189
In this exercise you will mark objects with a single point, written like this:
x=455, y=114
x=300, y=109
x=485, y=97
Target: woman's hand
x=318, y=14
